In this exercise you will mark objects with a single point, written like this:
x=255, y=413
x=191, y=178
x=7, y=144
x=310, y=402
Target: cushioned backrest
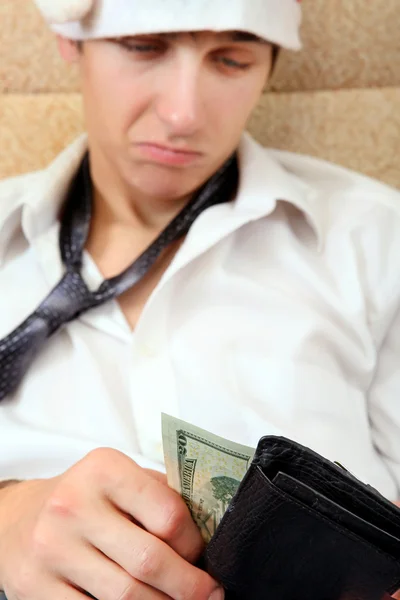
x=338, y=99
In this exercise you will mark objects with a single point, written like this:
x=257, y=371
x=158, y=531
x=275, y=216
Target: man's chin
x=161, y=183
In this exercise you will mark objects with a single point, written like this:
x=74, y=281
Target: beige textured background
x=338, y=99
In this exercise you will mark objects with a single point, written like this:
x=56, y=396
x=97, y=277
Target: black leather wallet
x=303, y=528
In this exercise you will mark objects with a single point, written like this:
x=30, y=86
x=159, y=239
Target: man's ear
x=69, y=49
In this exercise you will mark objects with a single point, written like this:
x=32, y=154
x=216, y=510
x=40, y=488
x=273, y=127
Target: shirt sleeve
x=28, y=451
x=384, y=401
x=378, y=243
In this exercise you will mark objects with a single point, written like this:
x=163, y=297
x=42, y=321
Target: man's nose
x=180, y=105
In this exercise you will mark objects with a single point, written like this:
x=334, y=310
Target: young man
x=269, y=306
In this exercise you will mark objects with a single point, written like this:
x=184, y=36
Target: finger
x=148, y=559
x=161, y=477
x=160, y=510
x=97, y=575
x=48, y=590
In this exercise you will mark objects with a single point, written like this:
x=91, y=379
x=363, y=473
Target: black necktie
x=71, y=297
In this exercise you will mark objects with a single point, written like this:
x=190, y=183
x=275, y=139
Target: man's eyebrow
x=244, y=36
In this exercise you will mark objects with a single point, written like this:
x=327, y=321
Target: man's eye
x=233, y=64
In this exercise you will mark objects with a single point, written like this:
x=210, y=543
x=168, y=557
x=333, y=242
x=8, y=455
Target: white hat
x=277, y=21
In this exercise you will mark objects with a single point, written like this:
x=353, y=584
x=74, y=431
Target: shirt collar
x=32, y=202
x=44, y=201
x=263, y=183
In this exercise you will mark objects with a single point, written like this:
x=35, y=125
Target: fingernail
x=217, y=594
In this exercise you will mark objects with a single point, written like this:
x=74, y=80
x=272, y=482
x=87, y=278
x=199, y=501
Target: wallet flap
x=270, y=545
x=275, y=454
x=337, y=514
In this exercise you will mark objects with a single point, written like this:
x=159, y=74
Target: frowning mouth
x=167, y=154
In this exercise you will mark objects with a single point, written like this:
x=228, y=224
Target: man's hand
x=105, y=527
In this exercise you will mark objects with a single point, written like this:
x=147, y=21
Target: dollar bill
x=206, y=470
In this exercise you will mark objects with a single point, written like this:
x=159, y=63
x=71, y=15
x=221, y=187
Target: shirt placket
x=152, y=380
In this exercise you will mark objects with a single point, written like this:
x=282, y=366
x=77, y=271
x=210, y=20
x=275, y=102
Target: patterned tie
x=71, y=297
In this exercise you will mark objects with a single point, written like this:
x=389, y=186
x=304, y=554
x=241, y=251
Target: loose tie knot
x=71, y=297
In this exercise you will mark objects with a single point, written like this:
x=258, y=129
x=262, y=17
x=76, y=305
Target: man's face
x=188, y=92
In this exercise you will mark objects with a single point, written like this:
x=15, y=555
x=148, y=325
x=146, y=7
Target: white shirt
x=279, y=315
